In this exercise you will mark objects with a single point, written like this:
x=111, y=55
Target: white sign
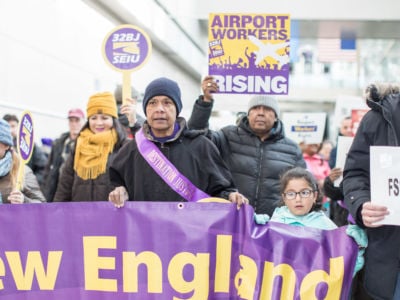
x=344, y=105
x=343, y=147
x=385, y=181
x=304, y=127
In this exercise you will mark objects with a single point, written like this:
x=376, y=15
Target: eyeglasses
x=304, y=194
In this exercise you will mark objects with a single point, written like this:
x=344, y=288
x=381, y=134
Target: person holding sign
x=9, y=167
x=127, y=115
x=38, y=160
x=256, y=150
x=85, y=174
x=317, y=165
x=379, y=127
x=166, y=161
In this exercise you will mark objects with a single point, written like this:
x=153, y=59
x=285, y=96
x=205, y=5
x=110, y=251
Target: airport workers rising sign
x=249, y=53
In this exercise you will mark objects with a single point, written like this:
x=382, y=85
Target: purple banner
x=153, y=250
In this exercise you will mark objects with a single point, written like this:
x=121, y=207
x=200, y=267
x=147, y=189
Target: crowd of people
x=115, y=155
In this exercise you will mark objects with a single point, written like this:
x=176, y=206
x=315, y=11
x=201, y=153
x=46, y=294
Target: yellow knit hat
x=102, y=103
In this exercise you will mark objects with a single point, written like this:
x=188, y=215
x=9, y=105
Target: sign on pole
x=125, y=49
x=343, y=147
x=25, y=144
x=249, y=53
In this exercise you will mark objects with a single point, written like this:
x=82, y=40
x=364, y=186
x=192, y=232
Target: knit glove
x=261, y=219
x=360, y=237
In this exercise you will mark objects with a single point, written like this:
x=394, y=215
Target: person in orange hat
x=85, y=173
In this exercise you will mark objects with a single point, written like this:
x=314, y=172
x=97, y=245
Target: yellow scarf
x=92, y=152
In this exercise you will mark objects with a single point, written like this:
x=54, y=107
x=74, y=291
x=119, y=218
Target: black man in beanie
x=256, y=150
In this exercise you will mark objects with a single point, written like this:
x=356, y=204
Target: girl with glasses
x=301, y=201
x=302, y=206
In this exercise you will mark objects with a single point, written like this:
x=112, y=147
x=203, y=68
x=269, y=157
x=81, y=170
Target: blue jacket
x=316, y=219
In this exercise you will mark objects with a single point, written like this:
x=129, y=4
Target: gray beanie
x=5, y=133
x=267, y=101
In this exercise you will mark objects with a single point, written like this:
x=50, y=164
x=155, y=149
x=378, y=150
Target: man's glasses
x=304, y=194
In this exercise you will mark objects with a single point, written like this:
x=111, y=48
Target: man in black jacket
x=179, y=164
x=256, y=150
x=60, y=150
x=380, y=126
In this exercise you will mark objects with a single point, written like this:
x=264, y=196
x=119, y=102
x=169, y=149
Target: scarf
x=5, y=164
x=166, y=138
x=92, y=150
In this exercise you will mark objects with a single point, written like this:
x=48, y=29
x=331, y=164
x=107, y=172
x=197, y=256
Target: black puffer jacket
x=256, y=165
x=52, y=171
x=379, y=127
x=190, y=152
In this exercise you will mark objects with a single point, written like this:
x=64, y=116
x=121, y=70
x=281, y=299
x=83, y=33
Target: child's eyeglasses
x=303, y=194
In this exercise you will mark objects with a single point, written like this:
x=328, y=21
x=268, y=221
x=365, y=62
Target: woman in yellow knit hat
x=85, y=175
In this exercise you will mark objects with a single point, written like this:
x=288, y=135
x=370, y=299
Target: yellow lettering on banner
x=334, y=280
x=288, y=280
x=34, y=266
x=2, y=273
x=130, y=271
x=200, y=282
x=223, y=263
x=245, y=279
x=188, y=273
x=93, y=263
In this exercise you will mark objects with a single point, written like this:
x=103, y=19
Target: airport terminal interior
x=51, y=56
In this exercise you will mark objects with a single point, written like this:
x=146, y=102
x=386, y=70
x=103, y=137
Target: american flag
x=330, y=50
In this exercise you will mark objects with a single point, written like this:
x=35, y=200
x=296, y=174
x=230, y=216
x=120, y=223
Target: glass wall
x=372, y=60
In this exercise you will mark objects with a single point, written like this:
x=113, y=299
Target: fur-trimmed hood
x=377, y=91
x=385, y=99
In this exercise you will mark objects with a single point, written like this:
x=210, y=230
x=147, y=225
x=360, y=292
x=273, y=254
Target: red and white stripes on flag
x=329, y=50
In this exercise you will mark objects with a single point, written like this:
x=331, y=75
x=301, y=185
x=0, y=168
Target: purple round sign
x=25, y=137
x=126, y=48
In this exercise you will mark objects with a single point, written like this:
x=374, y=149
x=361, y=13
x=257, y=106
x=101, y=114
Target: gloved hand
x=261, y=219
x=360, y=237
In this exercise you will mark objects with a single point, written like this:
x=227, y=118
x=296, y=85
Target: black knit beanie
x=163, y=87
